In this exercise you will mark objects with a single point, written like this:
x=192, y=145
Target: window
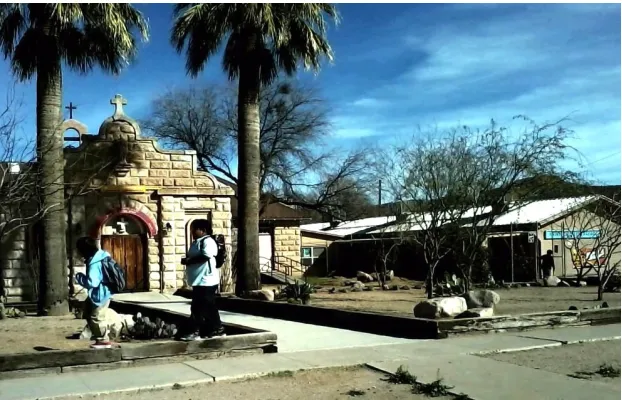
x=310, y=254
x=556, y=249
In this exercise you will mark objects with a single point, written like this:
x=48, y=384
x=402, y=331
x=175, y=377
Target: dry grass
x=33, y=334
x=401, y=302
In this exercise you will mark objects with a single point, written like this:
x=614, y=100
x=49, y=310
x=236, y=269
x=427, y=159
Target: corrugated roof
x=539, y=211
x=347, y=228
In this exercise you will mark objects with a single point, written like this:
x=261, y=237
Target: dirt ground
x=581, y=361
x=513, y=301
x=327, y=384
x=32, y=334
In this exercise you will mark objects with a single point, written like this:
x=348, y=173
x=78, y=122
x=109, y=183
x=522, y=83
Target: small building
x=279, y=236
x=136, y=199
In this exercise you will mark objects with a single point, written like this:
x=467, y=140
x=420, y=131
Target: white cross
x=118, y=102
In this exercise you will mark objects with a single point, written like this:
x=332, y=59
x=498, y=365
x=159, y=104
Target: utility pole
x=379, y=192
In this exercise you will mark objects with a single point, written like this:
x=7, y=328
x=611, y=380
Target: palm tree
x=260, y=40
x=38, y=39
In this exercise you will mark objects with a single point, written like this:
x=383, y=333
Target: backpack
x=221, y=255
x=114, y=278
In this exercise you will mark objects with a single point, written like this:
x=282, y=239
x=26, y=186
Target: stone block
x=154, y=276
x=139, y=172
x=156, y=156
x=203, y=183
x=184, y=182
x=14, y=255
x=154, y=267
x=179, y=173
x=10, y=273
x=168, y=207
x=168, y=250
x=182, y=165
x=151, y=181
x=179, y=157
x=142, y=164
x=171, y=258
x=158, y=173
x=128, y=180
x=169, y=182
x=180, y=241
x=160, y=165
x=153, y=251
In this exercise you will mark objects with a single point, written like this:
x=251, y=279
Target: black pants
x=204, y=316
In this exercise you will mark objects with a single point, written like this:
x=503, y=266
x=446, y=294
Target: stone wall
x=18, y=268
x=287, y=245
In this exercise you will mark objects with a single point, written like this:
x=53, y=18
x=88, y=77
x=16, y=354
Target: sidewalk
x=291, y=336
x=482, y=379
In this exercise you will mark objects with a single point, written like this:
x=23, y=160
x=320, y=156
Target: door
x=128, y=251
x=265, y=252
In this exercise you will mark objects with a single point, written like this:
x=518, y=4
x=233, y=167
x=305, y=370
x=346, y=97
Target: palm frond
x=12, y=26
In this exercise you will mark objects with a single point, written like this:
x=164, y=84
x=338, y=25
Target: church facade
x=136, y=199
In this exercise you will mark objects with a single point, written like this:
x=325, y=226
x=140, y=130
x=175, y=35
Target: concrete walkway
x=292, y=336
x=481, y=379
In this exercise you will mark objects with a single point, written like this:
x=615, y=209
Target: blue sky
x=401, y=66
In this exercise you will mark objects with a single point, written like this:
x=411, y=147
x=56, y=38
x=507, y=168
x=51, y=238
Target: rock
x=368, y=288
x=483, y=312
x=552, y=281
x=294, y=301
x=572, y=308
x=394, y=287
x=349, y=282
x=358, y=285
x=405, y=287
x=563, y=284
x=389, y=275
x=364, y=277
x=385, y=287
x=418, y=287
x=440, y=307
x=605, y=305
x=481, y=298
x=331, y=290
x=526, y=285
x=261, y=294
x=582, y=283
x=343, y=290
x=116, y=324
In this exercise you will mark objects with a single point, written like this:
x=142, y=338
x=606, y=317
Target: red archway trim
x=150, y=224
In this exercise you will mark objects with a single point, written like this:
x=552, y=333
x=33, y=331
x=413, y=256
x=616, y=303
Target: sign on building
x=572, y=234
x=531, y=237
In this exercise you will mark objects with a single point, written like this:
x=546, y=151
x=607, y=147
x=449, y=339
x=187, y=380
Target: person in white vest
x=204, y=277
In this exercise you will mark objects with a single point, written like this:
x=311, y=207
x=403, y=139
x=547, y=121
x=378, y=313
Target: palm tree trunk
x=55, y=288
x=248, y=180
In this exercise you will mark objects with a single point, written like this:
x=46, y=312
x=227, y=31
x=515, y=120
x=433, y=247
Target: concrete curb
x=134, y=390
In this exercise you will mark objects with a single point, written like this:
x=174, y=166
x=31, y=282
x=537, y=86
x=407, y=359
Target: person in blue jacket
x=99, y=295
x=204, y=277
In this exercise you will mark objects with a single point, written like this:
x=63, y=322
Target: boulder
x=358, y=286
x=476, y=313
x=440, y=307
x=563, y=284
x=572, y=308
x=551, y=281
x=349, y=282
x=405, y=287
x=582, y=283
x=368, y=288
x=481, y=298
x=364, y=277
x=385, y=287
x=116, y=324
x=261, y=294
x=343, y=290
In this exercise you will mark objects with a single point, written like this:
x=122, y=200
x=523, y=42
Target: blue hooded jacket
x=92, y=281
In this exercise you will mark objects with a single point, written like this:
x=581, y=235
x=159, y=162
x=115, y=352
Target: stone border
x=411, y=327
x=241, y=340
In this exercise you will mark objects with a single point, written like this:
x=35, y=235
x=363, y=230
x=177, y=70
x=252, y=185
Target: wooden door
x=128, y=251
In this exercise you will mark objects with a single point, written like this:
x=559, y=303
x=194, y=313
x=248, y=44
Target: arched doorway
x=124, y=236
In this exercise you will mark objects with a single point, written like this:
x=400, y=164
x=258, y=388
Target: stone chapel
x=136, y=199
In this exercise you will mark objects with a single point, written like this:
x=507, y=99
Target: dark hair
x=202, y=224
x=86, y=246
x=549, y=252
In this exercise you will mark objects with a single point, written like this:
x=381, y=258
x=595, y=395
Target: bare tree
x=593, y=238
x=454, y=184
x=298, y=167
